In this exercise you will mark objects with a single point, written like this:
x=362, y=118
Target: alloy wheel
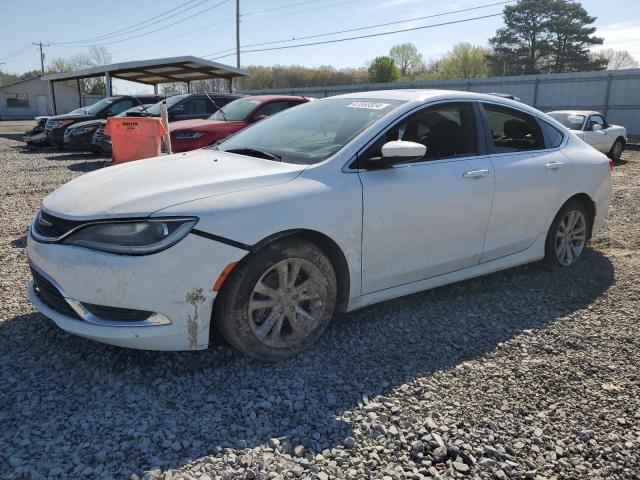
x=571, y=237
x=287, y=303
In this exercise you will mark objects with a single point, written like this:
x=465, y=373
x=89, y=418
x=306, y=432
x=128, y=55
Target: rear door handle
x=476, y=173
x=553, y=165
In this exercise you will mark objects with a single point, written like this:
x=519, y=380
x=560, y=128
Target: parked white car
x=331, y=205
x=594, y=129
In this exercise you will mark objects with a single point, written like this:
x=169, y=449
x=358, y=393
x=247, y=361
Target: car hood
x=96, y=122
x=137, y=189
x=72, y=116
x=208, y=125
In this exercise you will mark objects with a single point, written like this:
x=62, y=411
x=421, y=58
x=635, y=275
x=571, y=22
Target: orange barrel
x=134, y=138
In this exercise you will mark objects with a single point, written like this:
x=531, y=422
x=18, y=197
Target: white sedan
x=328, y=206
x=594, y=129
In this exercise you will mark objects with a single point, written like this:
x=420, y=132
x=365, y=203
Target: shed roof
x=156, y=71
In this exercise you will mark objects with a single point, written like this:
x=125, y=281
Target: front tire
x=278, y=301
x=568, y=236
x=616, y=150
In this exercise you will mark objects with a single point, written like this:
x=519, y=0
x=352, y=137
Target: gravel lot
x=520, y=374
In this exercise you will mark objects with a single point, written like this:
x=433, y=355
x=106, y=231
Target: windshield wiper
x=252, y=152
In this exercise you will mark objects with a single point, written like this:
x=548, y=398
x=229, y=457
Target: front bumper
x=56, y=136
x=78, y=142
x=176, y=283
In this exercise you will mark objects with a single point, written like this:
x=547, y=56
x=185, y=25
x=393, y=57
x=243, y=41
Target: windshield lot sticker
x=368, y=105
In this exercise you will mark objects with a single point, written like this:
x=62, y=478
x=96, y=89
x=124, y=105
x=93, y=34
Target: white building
x=27, y=99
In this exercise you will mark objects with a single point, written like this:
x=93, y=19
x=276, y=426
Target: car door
x=427, y=217
x=530, y=177
x=597, y=138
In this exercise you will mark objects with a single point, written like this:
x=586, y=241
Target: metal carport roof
x=151, y=72
x=156, y=71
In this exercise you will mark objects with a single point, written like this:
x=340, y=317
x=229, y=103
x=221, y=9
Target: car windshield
x=96, y=107
x=570, y=120
x=311, y=132
x=154, y=110
x=236, y=111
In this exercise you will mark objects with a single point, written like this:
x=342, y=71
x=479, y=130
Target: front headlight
x=132, y=237
x=187, y=135
x=60, y=123
x=82, y=130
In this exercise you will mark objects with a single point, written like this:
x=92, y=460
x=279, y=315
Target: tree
x=97, y=55
x=615, y=59
x=465, y=61
x=571, y=38
x=383, y=69
x=6, y=78
x=542, y=36
x=407, y=58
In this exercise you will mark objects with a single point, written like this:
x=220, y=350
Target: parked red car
x=192, y=134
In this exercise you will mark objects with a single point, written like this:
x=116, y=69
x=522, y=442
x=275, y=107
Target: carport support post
x=155, y=89
x=79, y=93
x=52, y=94
x=107, y=81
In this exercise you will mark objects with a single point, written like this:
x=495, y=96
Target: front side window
x=272, y=108
x=17, y=100
x=595, y=120
x=311, y=132
x=446, y=130
x=97, y=107
x=120, y=107
x=512, y=130
x=236, y=111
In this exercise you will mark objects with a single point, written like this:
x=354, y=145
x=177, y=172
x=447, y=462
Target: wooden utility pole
x=40, y=44
x=238, y=33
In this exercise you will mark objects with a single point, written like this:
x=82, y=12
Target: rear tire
x=616, y=150
x=568, y=236
x=278, y=301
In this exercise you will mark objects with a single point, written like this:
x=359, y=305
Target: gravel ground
x=520, y=374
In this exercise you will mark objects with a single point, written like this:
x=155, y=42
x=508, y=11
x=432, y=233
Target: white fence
x=615, y=93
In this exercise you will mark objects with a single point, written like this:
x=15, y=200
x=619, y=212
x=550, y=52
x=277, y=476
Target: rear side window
x=273, y=108
x=512, y=130
x=447, y=130
x=552, y=136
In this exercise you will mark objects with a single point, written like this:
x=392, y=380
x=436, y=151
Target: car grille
x=51, y=296
x=99, y=133
x=54, y=227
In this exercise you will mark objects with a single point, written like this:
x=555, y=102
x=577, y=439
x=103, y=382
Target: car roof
x=264, y=98
x=577, y=112
x=424, y=95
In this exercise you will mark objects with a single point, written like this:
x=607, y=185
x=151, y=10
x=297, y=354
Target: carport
x=149, y=72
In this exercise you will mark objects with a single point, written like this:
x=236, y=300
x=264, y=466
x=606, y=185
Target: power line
x=157, y=29
x=255, y=12
x=173, y=37
x=17, y=52
x=307, y=37
x=126, y=29
x=320, y=7
x=364, y=36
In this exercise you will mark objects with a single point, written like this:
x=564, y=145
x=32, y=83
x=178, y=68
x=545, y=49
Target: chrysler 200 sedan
x=329, y=206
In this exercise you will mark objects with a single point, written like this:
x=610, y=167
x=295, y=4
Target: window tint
x=446, y=131
x=195, y=106
x=120, y=107
x=272, y=108
x=552, y=136
x=512, y=131
x=595, y=120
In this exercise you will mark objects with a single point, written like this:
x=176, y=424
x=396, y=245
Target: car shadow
x=85, y=167
x=219, y=398
x=12, y=135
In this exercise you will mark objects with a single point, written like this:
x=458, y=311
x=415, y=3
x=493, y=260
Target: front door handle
x=553, y=165
x=476, y=173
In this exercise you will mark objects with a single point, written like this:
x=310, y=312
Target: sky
x=205, y=27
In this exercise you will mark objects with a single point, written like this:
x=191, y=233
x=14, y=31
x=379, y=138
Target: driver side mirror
x=397, y=151
x=595, y=127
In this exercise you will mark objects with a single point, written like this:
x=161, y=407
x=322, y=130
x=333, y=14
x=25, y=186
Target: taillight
x=611, y=164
